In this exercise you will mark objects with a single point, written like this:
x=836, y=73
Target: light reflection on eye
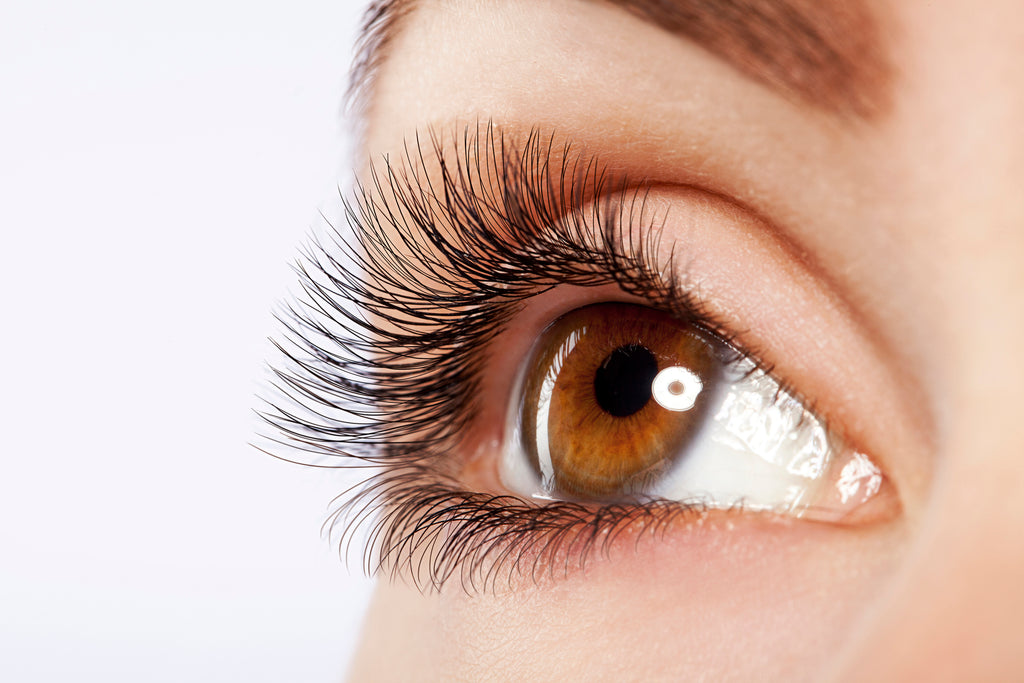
x=620, y=402
x=675, y=388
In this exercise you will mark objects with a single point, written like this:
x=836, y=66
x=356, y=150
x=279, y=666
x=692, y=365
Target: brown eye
x=621, y=403
x=613, y=395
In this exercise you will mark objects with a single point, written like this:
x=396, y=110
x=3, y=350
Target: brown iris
x=589, y=422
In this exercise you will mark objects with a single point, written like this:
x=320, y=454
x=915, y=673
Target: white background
x=159, y=166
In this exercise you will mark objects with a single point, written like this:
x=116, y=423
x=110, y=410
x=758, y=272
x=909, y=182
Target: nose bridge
x=954, y=611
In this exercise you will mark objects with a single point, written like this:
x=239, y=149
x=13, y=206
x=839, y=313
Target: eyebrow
x=828, y=54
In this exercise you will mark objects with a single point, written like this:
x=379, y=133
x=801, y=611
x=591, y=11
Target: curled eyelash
x=383, y=351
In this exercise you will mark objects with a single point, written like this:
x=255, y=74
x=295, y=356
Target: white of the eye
x=676, y=389
x=761, y=448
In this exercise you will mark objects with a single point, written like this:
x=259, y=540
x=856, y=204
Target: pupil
x=622, y=384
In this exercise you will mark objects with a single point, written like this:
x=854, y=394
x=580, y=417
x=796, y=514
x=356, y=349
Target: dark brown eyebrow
x=828, y=54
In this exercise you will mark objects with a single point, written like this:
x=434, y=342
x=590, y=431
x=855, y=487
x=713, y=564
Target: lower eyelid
x=531, y=547
x=795, y=579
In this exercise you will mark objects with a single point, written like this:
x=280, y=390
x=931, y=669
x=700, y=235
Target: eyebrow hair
x=828, y=54
x=379, y=25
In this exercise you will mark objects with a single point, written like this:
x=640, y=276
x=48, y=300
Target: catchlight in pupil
x=622, y=384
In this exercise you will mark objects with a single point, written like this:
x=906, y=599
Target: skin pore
x=863, y=231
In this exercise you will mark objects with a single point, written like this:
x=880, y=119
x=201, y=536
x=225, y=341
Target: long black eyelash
x=383, y=351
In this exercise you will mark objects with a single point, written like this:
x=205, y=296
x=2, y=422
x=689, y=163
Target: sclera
x=745, y=442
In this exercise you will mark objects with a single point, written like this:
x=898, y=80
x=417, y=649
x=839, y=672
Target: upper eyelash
x=445, y=247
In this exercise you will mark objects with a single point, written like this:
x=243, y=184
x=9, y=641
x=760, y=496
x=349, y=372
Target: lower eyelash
x=435, y=533
x=382, y=355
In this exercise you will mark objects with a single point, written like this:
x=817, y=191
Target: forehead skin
x=913, y=217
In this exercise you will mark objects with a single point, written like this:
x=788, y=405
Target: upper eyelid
x=408, y=277
x=429, y=221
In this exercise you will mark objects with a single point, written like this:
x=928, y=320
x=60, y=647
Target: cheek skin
x=729, y=599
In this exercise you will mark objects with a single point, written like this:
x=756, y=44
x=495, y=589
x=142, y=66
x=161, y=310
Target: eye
x=624, y=403
x=622, y=416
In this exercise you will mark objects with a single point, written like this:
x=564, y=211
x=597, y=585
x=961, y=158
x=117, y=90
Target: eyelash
x=447, y=260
